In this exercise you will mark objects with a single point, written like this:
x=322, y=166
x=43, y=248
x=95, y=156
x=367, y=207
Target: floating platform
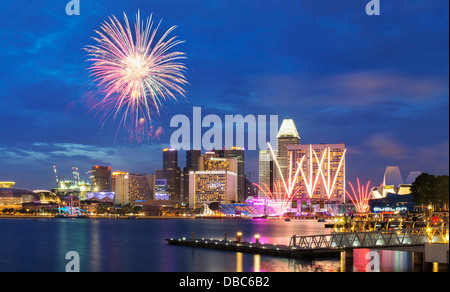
x=256, y=248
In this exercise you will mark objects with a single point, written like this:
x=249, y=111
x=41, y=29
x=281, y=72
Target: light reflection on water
x=139, y=245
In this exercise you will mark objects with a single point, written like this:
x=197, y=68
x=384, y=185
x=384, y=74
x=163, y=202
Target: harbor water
x=108, y=245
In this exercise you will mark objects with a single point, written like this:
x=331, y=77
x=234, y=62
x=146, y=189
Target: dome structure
x=17, y=197
x=47, y=197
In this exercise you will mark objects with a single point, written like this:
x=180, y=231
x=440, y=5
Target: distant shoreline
x=143, y=217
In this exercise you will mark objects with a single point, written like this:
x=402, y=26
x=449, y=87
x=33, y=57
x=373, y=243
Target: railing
x=374, y=225
x=374, y=239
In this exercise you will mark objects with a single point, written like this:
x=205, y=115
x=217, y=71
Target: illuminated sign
x=389, y=209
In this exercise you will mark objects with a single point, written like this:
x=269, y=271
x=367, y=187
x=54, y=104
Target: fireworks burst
x=360, y=198
x=135, y=72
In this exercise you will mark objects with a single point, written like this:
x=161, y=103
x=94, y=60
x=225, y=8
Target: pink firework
x=361, y=197
x=134, y=71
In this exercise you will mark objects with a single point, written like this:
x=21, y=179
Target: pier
x=427, y=244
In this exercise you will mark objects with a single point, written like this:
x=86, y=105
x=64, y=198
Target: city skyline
x=321, y=66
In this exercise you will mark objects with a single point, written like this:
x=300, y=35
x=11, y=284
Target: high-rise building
x=172, y=173
x=121, y=187
x=192, y=157
x=238, y=154
x=210, y=162
x=287, y=135
x=266, y=171
x=321, y=177
x=101, y=178
x=141, y=188
x=206, y=187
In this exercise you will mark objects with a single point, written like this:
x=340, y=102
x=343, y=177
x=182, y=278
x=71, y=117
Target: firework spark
x=285, y=190
x=360, y=198
x=134, y=71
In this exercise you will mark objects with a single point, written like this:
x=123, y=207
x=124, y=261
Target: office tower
x=266, y=171
x=159, y=174
x=287, y=135
x=192, y=157
x=172, y=173
x=101, y=178
x=321, y=177
x=236, y=153
x=121, y=187
x=141, y=188
x=206, y=187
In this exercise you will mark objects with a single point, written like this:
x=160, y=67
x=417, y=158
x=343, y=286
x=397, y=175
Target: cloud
x=353, y=88
x=386, y=145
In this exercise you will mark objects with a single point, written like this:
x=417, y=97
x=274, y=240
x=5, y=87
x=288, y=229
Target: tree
x=432, y=190
x=214, y=206
x=442, y=190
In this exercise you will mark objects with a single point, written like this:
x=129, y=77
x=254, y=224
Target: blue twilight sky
x=379, y=84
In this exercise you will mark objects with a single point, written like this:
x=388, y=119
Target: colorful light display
x=361, y=197
x=285, y=191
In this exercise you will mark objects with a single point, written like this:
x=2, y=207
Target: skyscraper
x=236, y=153
x=192, y=157
x=141, y=188
x=101, y=178
x=266, y=170
x=206, y=187
x=322, y=174
x=172, y=173
x=287, y=135
x=121, y=187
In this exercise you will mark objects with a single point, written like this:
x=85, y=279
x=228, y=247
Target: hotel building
x=121, y=187
x=206, y=187
x=321, y=177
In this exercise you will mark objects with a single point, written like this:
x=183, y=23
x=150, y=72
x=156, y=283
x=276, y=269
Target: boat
x=287, y=219
x=321, y=220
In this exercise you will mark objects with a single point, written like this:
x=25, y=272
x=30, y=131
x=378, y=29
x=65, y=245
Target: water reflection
x=123, y=245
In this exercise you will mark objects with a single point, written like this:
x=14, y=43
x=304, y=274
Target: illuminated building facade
x=121, y=187
x=266, y=170
x=238, y=154
x=72, y=188
x=141, y=188
x=7, y=184
x=172, y=173
x=161, y=193
x=101, y=178
x=209, y=162
x=212, y=186
x=393, y=183
x=13, y=198
x=322, y=173
x=287, y=135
